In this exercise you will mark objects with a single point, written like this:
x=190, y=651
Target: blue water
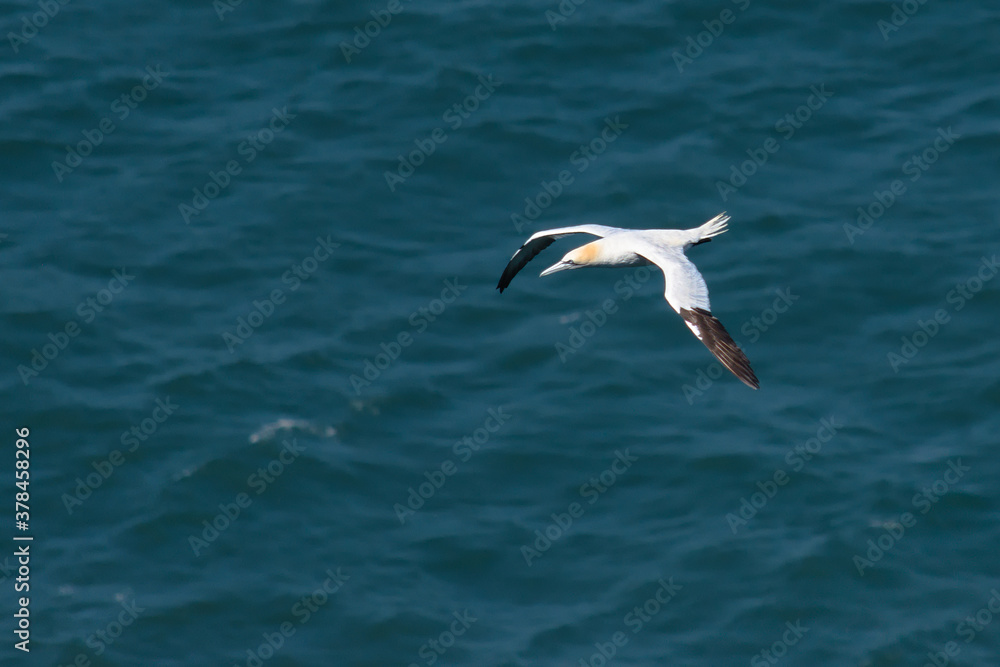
x=279, y=415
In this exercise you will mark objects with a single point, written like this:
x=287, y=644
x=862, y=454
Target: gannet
x=684, y=289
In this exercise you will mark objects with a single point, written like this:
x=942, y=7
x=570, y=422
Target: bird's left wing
x=542, y=240
x=686, y=292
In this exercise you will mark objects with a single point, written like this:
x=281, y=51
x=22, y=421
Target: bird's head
x=574, y=259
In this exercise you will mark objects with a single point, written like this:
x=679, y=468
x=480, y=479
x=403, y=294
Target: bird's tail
x=713, y=227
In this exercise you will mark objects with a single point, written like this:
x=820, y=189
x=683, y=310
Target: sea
x=263, y=405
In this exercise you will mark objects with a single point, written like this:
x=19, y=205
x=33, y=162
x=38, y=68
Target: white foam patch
x=363, y=406
x=269, y=431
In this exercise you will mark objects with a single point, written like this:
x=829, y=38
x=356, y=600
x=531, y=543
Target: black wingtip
x=523, y=255
x=720, y=343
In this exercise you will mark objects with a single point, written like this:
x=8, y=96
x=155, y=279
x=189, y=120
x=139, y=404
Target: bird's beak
x=559, y=266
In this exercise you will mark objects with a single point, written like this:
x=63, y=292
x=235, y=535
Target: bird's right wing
x=686, y=292
x=542, y=240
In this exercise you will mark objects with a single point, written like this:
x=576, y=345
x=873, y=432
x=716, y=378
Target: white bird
x=684, y=290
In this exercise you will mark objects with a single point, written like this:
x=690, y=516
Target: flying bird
x=684, y=290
